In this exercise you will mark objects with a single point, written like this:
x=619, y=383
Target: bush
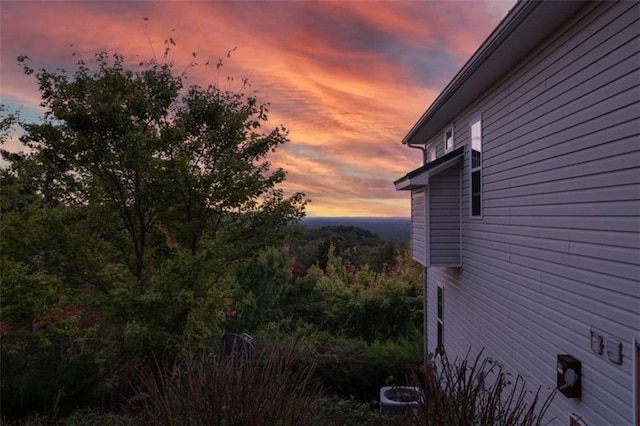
x=352, y=367
x=475, y=393
x=42, y=374
x=357, y=302
x=336, y=411
x=273, y=387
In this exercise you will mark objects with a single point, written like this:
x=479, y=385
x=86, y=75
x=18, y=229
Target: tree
x=123, y=219
x=165, y=160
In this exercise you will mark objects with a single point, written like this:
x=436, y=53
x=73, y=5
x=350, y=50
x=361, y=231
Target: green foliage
x=40, y=367
x=352, y=367
x=337, y=411
x=303, y=299
x=128, y=224
x=144, y=221
x=185, y=164
x=359, y=303
x=260, y=287
x=356, y=246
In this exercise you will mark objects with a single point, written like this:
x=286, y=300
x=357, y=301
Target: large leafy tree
x=162, y=159
x=124, y=217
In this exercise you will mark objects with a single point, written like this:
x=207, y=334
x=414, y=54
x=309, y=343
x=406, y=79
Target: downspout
x=421, y=147
x=425, y=351
x=425, y=316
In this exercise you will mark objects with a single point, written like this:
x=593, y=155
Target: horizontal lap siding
x=557, y=252
x=444, y=217
x=418, y=231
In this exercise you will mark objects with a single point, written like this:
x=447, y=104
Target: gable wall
x=438, y=141
x=557, y=253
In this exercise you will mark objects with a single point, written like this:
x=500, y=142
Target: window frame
x=446, y=147
x=475, y=171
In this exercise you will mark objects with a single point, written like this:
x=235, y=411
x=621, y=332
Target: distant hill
x=395, y=229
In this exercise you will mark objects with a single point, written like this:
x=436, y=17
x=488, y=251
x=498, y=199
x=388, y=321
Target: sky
x=348, y=79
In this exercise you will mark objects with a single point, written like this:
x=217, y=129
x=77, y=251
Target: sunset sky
x=348, y=79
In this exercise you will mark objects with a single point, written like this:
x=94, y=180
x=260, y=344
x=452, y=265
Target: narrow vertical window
x=431, y=153
x=476, y=168
x=440, y=346
x=448, y=139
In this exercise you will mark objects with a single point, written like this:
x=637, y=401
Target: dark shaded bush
x=336, y=411
x=273, y=387
x=39, y=375
x=353, y=367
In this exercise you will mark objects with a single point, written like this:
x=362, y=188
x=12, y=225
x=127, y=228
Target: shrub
x=42, y=374
x=352, y=367
x=336, y=411
x=360, y=303
x=475, y=393
x=272, y=387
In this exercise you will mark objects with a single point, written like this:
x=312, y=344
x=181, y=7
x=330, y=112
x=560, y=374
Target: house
x=526, y=212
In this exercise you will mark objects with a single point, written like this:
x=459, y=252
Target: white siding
x=557, y=253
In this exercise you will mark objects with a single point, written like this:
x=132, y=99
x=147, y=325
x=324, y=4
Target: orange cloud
x=348, y=79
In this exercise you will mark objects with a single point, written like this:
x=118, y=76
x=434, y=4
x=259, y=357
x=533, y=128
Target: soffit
x=420, y=177
x=525, y=27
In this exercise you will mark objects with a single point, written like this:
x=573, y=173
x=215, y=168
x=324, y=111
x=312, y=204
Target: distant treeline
x=395, y=229
x=356, y=246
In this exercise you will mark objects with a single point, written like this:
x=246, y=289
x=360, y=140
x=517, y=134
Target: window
x=440, y=346
x=448, y=139
x=476, y=168
x=431, y=153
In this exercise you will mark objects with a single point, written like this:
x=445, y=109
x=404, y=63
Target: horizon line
x=356, y=217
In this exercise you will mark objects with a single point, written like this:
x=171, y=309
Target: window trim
x=477, y=169
x=448, y=149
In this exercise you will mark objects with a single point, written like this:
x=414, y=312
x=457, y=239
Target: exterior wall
x=438, y=141
x=557, y=252
x=418, y=231
x=435, y=220
x=444, y=217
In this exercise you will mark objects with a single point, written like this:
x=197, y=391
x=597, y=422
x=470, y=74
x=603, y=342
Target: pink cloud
x=348, y=79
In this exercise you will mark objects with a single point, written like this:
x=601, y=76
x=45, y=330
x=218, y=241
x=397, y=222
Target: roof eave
x=419, y=177
x=526, y=25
